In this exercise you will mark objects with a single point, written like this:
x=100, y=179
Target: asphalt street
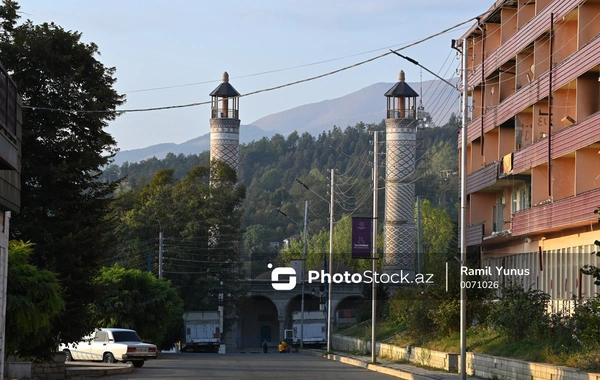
x=293, y=366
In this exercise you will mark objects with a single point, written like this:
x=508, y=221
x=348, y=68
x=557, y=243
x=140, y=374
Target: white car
x=111, y=345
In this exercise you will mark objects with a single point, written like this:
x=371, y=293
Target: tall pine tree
x=63, y=205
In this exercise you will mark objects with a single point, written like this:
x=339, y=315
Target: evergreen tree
x=63, y=206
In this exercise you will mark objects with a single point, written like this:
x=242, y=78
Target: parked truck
x=315, y=328
x=202, y=331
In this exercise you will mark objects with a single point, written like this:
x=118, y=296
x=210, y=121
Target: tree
x=200, y=216
x=138, y=300
x=592, y=270
x=436, y=236
x=63, y=205
x=33, y=299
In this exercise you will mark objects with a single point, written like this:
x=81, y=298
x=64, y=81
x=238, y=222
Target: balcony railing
x=219, y=113
x=401, y=113
x=571, y=211
x=482, y=178
x=8, y=103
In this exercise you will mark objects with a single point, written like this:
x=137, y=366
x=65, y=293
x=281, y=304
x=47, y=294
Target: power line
x=122, y=111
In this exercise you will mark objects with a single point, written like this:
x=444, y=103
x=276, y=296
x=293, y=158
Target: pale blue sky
x=167, y=43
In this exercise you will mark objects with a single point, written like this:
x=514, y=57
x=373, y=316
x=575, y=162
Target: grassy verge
x=363, y=331
x=485, y=341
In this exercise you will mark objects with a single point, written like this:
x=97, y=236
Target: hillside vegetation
x=269, y=169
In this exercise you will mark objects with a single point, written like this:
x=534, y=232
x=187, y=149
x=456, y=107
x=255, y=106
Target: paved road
x=294, y=366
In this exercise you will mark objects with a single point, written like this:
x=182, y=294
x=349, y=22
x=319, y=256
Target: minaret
x=225, y=124
x=401, y=136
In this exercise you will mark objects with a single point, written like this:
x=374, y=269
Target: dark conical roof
x=401, y=88
x=225, y=90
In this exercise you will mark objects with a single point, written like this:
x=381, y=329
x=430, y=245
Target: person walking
x=265, y=347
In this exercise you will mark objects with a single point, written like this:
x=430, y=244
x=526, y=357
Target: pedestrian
x=265, y=347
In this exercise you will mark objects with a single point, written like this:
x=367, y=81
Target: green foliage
x=587, y=324
x=199, y=216
x=438, y=231
x=33, y=299
x=63, y=205
x=521, y=314
x=138, y=300
x=269, y=168
x=591, y=270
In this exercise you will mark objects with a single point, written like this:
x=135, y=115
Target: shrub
x=521, y=314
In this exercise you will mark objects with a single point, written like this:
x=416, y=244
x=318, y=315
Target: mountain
x=367, y=105
x=248, y=133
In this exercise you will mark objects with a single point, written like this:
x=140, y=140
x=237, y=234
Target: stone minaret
x=401, y=136
x=225, y=124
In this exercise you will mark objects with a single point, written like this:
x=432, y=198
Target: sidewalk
x=401, y=371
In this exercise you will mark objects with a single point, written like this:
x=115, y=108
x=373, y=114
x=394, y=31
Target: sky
x=175, y=52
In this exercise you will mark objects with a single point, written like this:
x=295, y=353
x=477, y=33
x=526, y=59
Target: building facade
x=10, y=182
x=533, y=153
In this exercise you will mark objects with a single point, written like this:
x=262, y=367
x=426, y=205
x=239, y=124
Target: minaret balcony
x=220, y=113
x=409, y=113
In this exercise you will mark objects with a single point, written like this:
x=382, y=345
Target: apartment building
x=10, y=182
x=533, y=154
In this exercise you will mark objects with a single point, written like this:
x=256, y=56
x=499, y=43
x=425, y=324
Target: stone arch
x=311, y=303
x=346, y=309
x=259, y=322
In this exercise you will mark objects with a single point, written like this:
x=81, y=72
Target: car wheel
x=138, y=363
x=68, y=356
x=109, y=358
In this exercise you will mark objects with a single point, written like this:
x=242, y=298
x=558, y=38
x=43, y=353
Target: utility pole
x=303, y=271
x=463, y=216
x=160, y=253
x=303, y=267
x=330, y=299
x=374, y=258
x=419, y=235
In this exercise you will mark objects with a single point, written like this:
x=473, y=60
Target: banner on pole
x=361, y=237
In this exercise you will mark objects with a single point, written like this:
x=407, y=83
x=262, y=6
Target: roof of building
x=225, y=89
x=401, y=88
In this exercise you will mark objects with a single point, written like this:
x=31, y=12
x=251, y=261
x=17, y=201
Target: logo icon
x=277, y=285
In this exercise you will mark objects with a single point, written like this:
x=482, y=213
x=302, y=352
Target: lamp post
x=221, y=301
x=463, y=196
x=329, y=298
x=303, y=269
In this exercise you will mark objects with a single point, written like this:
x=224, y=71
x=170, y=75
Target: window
x=126, y=336
x=101, y=336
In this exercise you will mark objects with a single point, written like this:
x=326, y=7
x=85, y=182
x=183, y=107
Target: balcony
x=9, y=153
x=10, y=144
x=573, y=211
x=219, y=113
x=475, y=233
x=401, y=113
x=577, y=64
x=482, y=178
x=520, y=40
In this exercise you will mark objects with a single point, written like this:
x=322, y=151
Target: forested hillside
x=269, y=168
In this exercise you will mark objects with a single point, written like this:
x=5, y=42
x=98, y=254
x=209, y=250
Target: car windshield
x=126, y=336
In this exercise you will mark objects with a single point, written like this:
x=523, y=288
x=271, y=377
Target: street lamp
x=221, y=302
x=463, y=197
x=303, y=269
x=330, y=298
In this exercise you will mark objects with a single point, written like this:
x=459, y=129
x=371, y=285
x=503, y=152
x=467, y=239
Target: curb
x=373, y=367
x=91, y=369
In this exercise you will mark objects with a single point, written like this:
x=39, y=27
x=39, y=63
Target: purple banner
x=361, y=237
